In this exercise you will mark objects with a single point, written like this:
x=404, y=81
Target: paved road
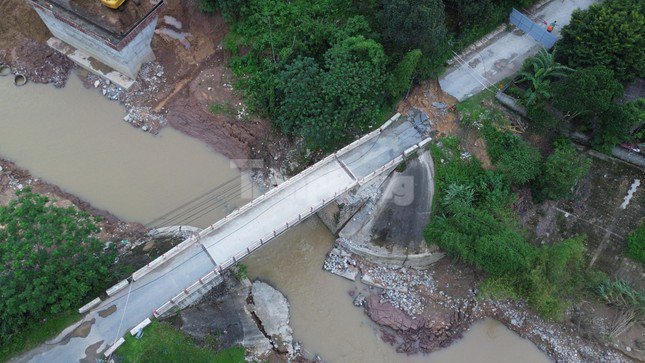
x=116, y=316
x=505, y=55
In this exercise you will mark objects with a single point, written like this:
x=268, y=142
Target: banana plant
x=538, y=72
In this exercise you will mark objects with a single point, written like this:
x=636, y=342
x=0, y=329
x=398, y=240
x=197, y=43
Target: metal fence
x=536, y=31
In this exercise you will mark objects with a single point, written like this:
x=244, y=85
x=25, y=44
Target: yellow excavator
x=112, y=4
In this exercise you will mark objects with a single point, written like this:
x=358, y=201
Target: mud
x=22, y=45
x=107, y=312
x=91, y=353
x=83, y=330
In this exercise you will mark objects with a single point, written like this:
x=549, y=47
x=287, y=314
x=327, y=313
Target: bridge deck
x=272, y=213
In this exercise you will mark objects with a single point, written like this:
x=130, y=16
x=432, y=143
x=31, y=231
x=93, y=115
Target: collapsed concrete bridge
x=175, y=279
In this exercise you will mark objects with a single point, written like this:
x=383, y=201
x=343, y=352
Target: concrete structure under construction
x=111, y=43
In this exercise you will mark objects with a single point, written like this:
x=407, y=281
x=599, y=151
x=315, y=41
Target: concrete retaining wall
x=140, y=326
x=382, y=256
x=116, y=288
x=114, y=347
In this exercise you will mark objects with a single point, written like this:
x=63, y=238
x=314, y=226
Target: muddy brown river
x=324, y=319
x=75, y=138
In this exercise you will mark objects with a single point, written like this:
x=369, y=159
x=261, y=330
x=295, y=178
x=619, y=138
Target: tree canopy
x=587, y=92
x=415, y=24
x=609, y=34
x=327, y=105
x=50, y=260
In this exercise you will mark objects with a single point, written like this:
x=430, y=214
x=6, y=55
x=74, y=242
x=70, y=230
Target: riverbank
x=422, y=311
x=14, y=178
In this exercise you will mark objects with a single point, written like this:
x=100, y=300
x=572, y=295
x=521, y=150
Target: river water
x=324, y=319
x=74, y=138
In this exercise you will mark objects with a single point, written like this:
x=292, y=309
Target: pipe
x=20, y=80
x=5, y=70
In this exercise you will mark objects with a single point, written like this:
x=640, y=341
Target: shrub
x=516, y=159
x=562, y=170
x=636, y=244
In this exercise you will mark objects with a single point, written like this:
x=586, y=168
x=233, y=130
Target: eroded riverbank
x=327, y=323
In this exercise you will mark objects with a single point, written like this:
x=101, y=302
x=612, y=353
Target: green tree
x=470, y=13
x=616, y=124
x=302, y=104
x=609, y=34
x=587, y=92
x=401, y=78
x=416, y=24
x=50, y=260
x=327, y=107
x=538, y=72
x=230, y=9
x=562, y=170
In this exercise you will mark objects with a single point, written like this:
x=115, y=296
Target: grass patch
x=36, y=334
x=636, y=244
x=222, y=109
x=620, y=294
x=161, y=342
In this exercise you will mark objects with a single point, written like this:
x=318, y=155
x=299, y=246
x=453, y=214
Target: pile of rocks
x=341, y=263
x=151, y=77
x=145, y=118
x=108, y=89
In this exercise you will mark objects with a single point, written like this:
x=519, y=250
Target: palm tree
x=538, y=71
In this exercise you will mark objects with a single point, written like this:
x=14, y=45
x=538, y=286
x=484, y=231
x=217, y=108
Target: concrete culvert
x=5, y=70
x=20, y=80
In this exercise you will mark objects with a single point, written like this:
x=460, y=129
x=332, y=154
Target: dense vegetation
x=587, y=96
x=477, y=225
x=609, y=34
x=328, y=70
x=50, y=261
x=161, y=342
